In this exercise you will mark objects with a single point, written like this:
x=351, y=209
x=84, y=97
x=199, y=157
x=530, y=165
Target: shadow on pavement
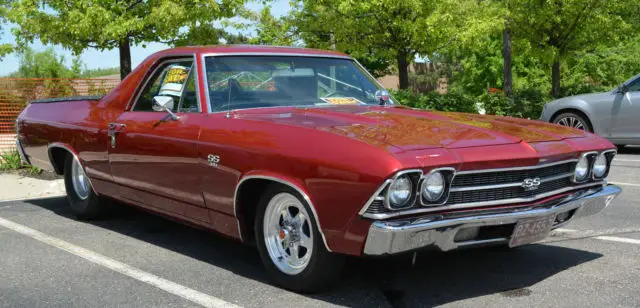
x=437, y=278
x=630, y=150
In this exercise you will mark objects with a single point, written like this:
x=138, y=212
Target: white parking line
x=618, y=239
x=625, y=184
x=627, y=160
x=194, y=296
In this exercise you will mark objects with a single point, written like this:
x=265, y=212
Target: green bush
x=527, y=103
x=581, y=88
x=435, y=101
x=10, y=160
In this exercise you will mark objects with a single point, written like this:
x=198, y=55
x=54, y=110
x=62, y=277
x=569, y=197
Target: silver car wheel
x=571, y=122
x=288, y=233
x=80, y=181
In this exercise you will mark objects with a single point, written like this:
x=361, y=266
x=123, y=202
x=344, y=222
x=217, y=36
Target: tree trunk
x=125, y=57
x=403, y=69
x=506, y=58
x=555, y=78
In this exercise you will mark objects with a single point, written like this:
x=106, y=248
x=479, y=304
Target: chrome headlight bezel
x=404, y=182
x=608, y=156
x=448, y=174
x=413, y=176
x=584, y=162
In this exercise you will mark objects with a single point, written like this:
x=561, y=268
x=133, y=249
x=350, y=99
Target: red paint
x=337, y=156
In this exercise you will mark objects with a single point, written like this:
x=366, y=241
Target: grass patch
x=10, y=160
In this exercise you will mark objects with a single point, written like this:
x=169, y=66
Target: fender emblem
x=531, y=184
x=213, y=160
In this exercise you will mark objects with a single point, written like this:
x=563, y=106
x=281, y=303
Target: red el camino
x=304, y=154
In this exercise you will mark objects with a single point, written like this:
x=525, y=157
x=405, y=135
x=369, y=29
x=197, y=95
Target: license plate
x=531, y=230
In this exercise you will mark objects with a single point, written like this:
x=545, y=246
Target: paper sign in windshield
x=342, y=100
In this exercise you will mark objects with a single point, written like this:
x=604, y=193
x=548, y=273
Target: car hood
x=589, y=98
x=409, y=129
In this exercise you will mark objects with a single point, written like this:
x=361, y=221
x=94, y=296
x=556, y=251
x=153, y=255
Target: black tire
x=620, y=147
x=584, y=122
x=323, y=268
x=93, y=207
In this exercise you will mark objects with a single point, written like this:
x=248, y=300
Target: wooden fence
x=16, y=93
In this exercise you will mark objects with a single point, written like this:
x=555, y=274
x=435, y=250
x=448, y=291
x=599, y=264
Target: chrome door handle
x=114, y=129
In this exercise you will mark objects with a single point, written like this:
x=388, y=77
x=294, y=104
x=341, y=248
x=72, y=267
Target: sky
x=93, y=58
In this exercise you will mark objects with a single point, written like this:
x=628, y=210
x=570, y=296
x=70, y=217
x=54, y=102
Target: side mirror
x=622, y=89
x=382, y=96
x=164, y=103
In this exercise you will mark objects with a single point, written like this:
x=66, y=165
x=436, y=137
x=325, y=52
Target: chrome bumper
x=439, y=231
x=23, y=156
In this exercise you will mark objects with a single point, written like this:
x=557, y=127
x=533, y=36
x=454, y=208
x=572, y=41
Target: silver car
x=614, y=115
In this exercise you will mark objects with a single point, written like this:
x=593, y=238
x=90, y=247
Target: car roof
x=250, y=49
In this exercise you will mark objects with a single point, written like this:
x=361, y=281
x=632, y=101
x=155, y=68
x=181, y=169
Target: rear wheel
x=84, y=202
x=290, y=244
x=572, y=119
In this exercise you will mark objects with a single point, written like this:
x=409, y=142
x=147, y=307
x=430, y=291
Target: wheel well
x=247, y=198
x=58, y=157
x=572, y=110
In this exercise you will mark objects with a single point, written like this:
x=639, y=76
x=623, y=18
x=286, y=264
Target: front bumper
x=440, y=231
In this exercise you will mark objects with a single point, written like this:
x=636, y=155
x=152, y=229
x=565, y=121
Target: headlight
x=400, y=192
x=582, y=169
x=600, y=166
x=433, y=186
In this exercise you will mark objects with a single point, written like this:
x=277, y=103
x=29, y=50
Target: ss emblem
x=213, y=160
x=531, y=184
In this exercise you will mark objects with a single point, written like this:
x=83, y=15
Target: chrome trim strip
x=480, y=204
x=588, y=177
x=438, y=231
x=448, y=187
x=514, y=184
x=156, y=65
x=384, y=185
x=68, y=149
x=517, y=168
x=304, y=195
x=23, y=156
x=386, y=202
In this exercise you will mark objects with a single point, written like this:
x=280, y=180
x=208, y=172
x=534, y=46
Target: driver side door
x=625, y=123
x=153, y=157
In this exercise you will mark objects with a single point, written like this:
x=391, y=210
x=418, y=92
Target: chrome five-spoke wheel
x=288, y=233
x=81, y=184
x=290, y=242
x=82, y=198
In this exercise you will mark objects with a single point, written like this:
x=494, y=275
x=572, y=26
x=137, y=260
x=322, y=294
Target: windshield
x=240, y=82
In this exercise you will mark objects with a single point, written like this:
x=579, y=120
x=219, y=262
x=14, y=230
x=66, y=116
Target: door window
x=176, y=79
x=634, y=86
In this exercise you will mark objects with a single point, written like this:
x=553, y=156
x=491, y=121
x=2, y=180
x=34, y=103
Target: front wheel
x=290, y=244
x=84, y=202
x=574, y=120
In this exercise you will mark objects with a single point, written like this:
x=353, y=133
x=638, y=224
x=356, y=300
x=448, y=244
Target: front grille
x=510, y=176
x=482, y=188
x=504, y=193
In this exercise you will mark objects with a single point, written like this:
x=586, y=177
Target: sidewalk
x=15, y=186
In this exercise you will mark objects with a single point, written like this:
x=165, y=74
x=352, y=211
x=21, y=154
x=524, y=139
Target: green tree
x=560, y=29
x=389, y=29
x=4, y=48
x=43, y=64
x=81, y=24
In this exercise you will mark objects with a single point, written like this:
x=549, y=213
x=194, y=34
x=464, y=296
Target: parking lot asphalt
x=48, y=258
